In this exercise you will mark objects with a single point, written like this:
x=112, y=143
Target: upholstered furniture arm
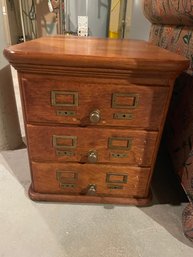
x=172, y=26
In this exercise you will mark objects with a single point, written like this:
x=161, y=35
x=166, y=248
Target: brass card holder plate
x=64, y=176
x=116, y=178
x=125, y=143
x=67, y=142
x=64, y=98
x=66, y=179
x=125, y=100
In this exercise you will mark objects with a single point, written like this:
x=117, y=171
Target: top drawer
x=101, y=102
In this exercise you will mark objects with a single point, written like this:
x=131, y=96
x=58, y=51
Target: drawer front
x=91, y=145
x=71, y=102
x=87, y=179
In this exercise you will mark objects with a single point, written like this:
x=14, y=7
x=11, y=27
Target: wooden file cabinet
x=94, y=112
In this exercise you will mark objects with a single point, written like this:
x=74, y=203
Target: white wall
x=140, y=26
x=3, y=43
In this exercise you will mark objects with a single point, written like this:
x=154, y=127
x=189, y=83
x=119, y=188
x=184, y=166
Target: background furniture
x=172, y=28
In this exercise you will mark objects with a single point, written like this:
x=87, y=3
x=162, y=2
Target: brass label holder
x=113, y=140
x=119, y=178
x=72, y=139
x=133, y=100
x=55, y=94
x=66, y=179
x=112, y=183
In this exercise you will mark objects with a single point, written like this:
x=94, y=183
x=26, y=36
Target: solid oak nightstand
x=94, y=111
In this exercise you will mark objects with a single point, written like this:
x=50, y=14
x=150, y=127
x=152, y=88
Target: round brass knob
x=95, y=116
x=91, y=189
x=92, y=157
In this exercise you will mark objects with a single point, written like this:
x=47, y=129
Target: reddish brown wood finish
x=82, y=75
x=139, y=152
x=93, y=95
x=35, y=196
x=45, y=179
x=89, y=53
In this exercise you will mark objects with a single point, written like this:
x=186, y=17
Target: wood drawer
x=87, y=179
x=69, y=101
x=91, y=145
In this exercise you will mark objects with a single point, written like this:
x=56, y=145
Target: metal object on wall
x=97, y=12
x=123, y=18
x=105, y=17
x=114, y=19
x=120, y=18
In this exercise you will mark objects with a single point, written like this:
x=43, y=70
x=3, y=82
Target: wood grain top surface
x=94, y=52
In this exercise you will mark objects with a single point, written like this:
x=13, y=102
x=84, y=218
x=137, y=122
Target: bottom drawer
x=90, y=179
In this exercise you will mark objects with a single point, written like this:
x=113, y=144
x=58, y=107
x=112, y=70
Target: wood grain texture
x=116, y=77
x=93, y=94
x=45, y=179
x=137, y=201
x=139, y=153
x=95, y=53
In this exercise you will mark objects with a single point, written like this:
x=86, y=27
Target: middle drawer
x=91, y=145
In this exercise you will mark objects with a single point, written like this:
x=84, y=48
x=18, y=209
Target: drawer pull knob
x=95, y=116
x=92, y=157
x=91, y=189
